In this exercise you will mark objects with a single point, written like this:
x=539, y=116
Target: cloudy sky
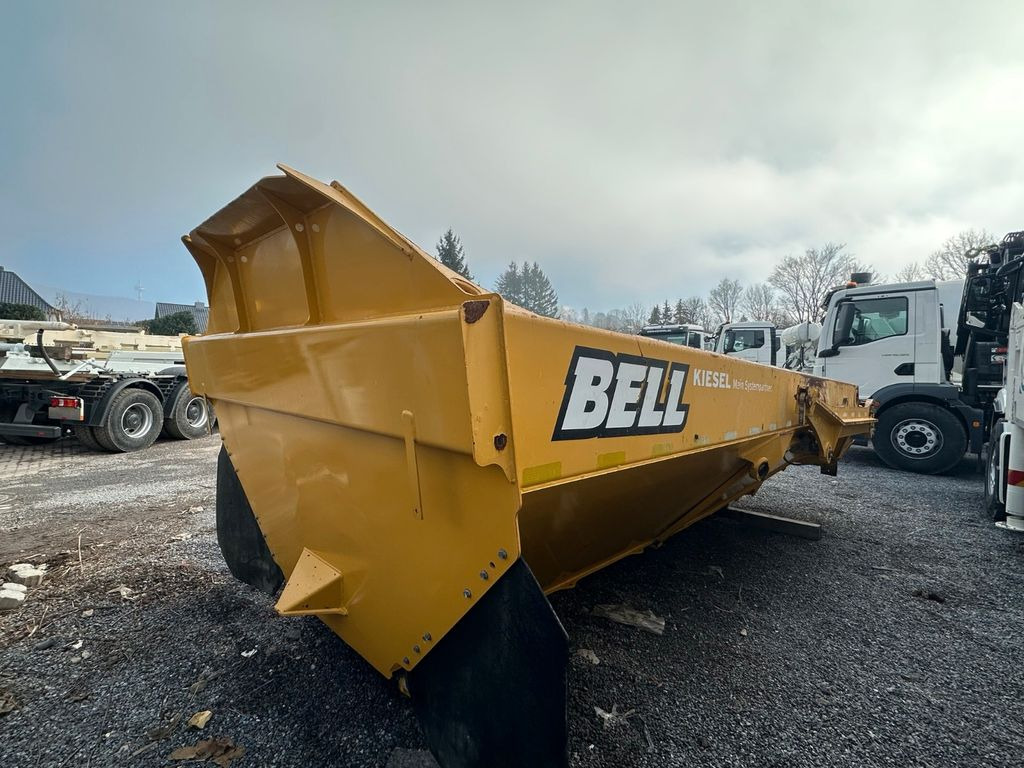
x=637, y=151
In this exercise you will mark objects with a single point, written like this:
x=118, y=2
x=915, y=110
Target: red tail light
x=65, y=402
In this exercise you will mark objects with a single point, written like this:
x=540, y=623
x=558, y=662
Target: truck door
x=928, y=367
x=872, y=341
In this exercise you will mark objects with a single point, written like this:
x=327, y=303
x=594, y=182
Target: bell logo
x=609, y=395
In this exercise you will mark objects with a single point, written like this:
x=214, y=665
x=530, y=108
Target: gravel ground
x=891, y=641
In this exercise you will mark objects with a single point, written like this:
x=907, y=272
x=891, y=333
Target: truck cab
x=896, y=343
x=757, y=341
x=677, y=333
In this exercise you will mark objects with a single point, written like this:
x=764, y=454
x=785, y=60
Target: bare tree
x=950, y=261
x=634, y=317
x=759, y=303
x=724, y=298
x=911, y=273
x=803, y=281
x=73, y=311
x=692, y=310
x=614, y=320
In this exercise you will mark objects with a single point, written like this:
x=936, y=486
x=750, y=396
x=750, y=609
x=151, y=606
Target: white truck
x=116, y=391
x=761, y=342
x=1004, y=470
x=687, y=335
x=896, y=343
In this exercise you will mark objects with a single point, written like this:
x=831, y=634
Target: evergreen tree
x=173, y=324
x=655, y=318
x=10, y=311
x=666, y=313
x=510, y=284
x=528, y=287
x=680, y=312
x=451, y=254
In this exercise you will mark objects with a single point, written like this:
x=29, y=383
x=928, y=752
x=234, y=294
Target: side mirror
x=846, y=313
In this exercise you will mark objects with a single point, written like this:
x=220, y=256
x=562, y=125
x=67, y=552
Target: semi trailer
x=115, y=391
x=425, y=462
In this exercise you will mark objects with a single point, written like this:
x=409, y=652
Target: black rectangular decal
x=613, y=395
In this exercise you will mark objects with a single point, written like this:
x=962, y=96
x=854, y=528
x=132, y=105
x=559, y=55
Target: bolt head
x=485, y=575
x=503, y=554
x=415, y=649
x=406, y=661
x=466, y=593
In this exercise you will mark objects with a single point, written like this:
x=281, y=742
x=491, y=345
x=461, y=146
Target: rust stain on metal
x=474, y=310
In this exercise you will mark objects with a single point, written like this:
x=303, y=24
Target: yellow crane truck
x=424, y=461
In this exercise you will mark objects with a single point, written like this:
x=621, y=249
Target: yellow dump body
x=404, y=437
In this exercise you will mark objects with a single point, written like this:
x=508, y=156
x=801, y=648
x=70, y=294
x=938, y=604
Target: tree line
x=792, y=294
x=524, y=284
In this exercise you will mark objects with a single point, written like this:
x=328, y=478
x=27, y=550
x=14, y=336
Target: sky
x=636, y=151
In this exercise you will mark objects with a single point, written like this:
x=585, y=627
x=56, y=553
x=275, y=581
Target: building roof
x=199, y=311
x=14, y=290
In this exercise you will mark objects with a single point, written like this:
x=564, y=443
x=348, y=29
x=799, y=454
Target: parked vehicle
x=116, y=391
x=761, y=342
x=989, y=351
x=895, y=342
x=687, y=335
x=756, y=341
x=904, y=346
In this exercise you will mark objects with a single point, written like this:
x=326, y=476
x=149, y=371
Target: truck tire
x=133, y=421
x=85, y=435
x=919, y=437
x=188, y=415
x=993, y=475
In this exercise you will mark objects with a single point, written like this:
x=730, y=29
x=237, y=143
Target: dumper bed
x=418, y=462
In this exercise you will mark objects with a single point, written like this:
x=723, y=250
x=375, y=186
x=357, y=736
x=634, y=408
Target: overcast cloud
x=637, y=151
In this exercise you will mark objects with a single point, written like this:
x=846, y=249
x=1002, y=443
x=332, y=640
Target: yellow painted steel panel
x=416, y=434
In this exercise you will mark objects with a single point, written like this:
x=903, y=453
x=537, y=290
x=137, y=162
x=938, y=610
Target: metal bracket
x=411, y=463
x=314, y=588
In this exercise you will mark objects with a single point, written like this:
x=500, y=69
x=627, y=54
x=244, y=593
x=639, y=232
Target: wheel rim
x=917, y=438
x=137, y=420
x=195, y=413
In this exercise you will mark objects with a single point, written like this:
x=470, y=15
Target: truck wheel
x=133, y=421
x=994, y=475
x=188, y=417
x=87, y=437
x=919, y=437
